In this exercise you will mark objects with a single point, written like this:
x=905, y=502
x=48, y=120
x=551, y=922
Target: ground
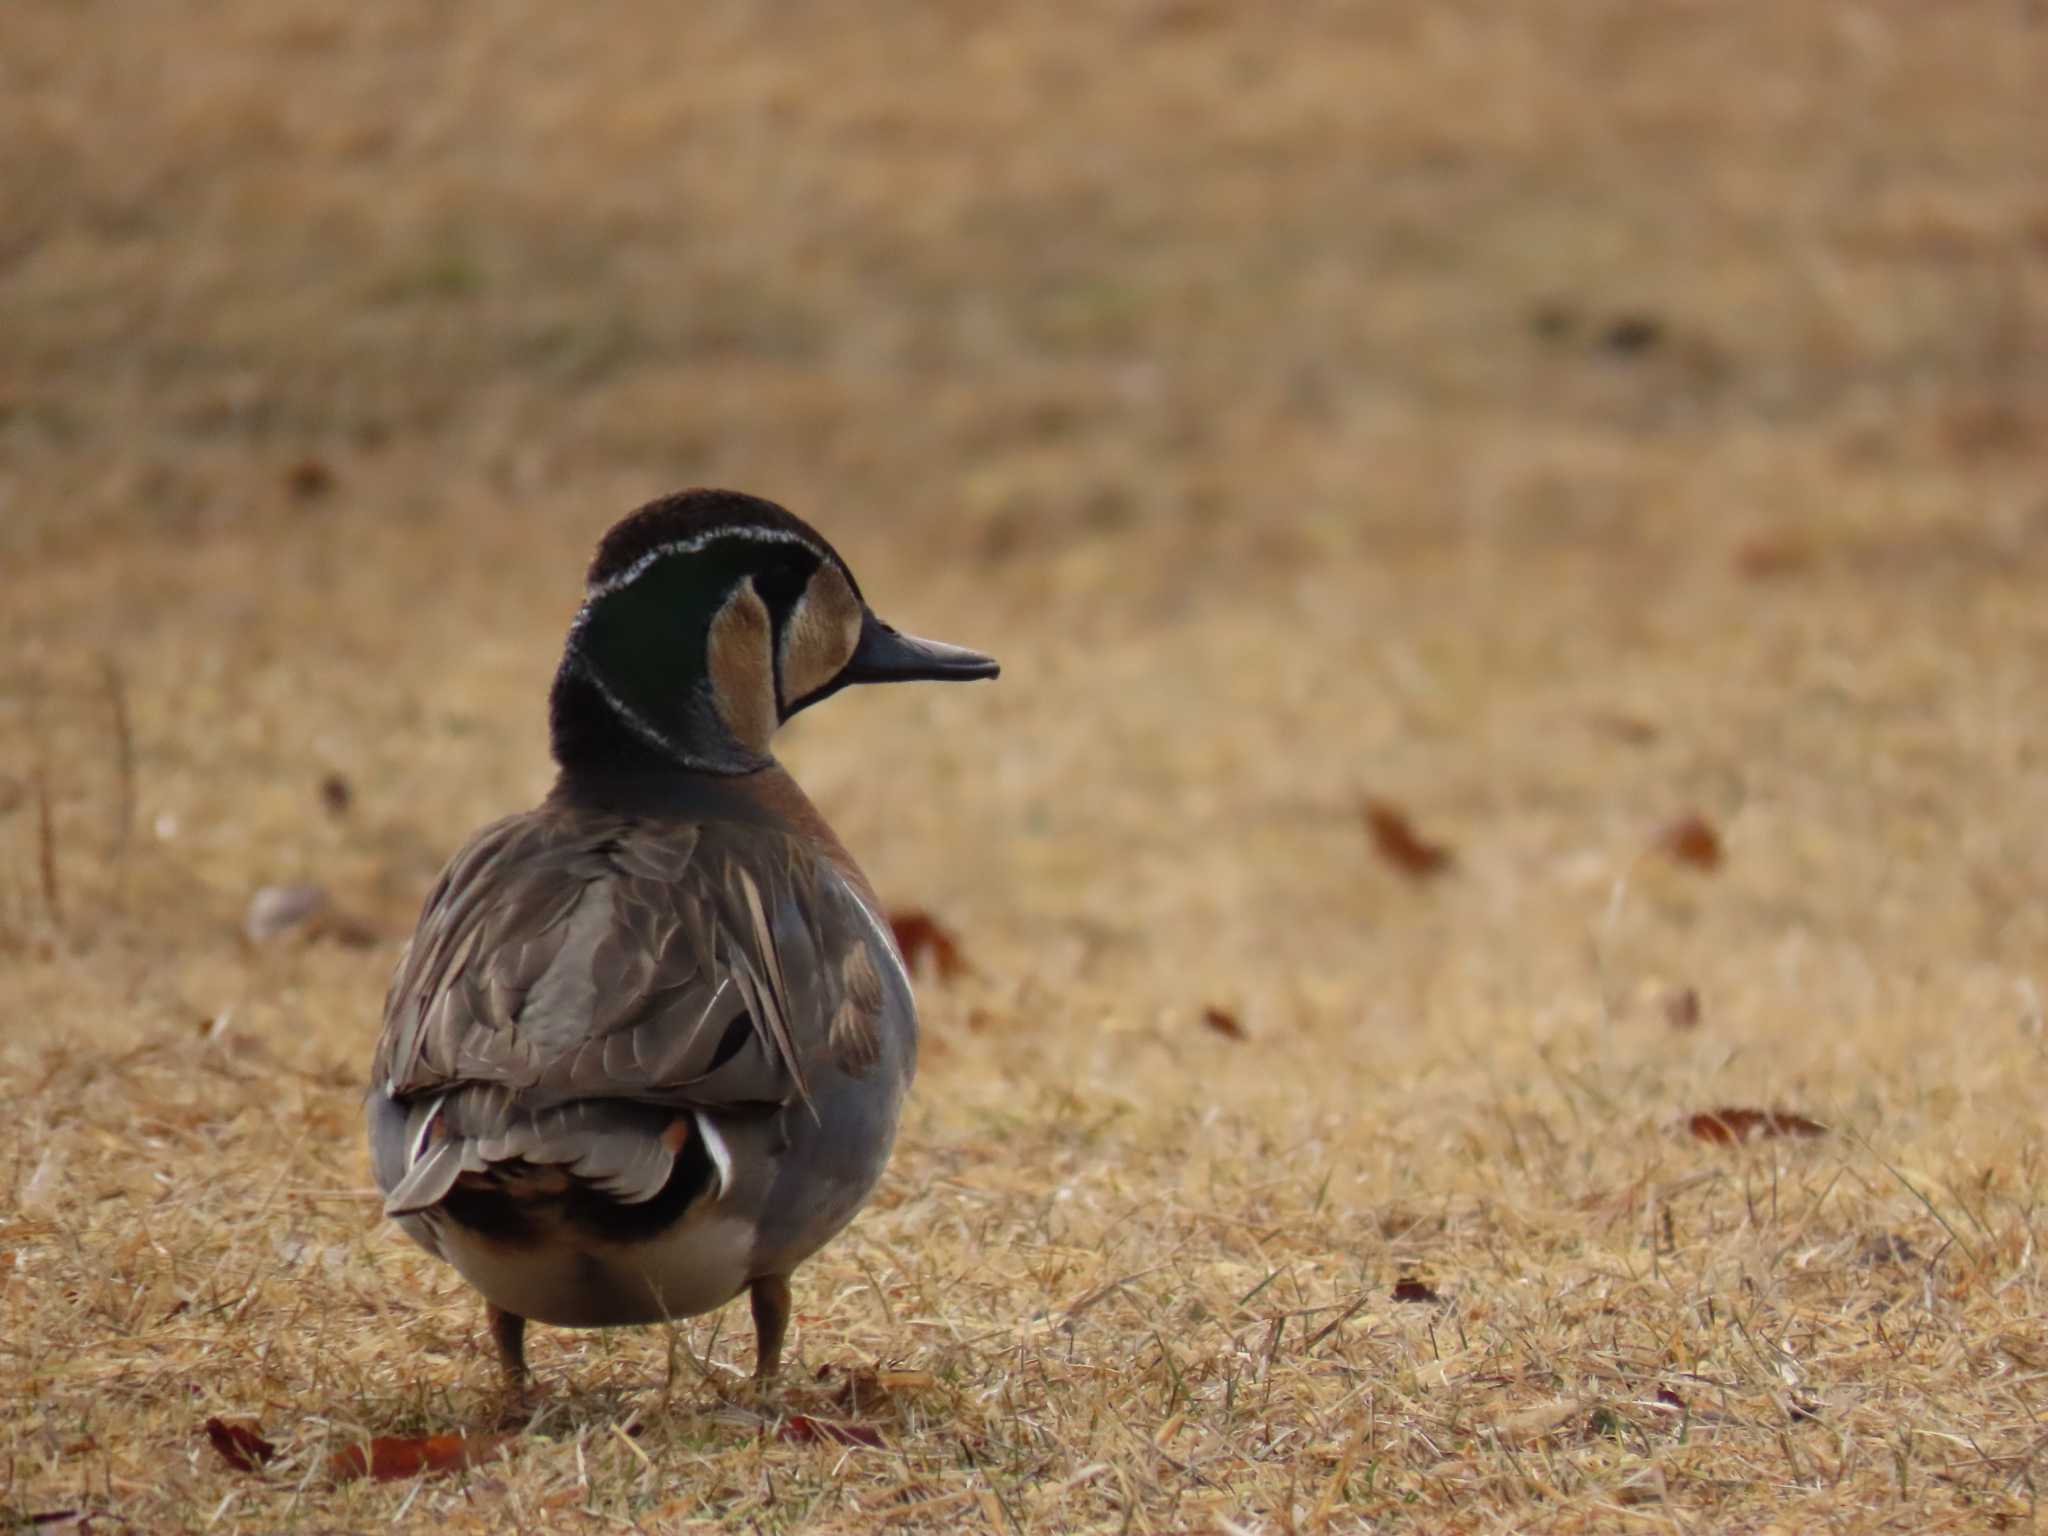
x=1602, y=443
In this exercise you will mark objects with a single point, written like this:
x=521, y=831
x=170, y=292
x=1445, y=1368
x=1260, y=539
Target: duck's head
x=710, y=617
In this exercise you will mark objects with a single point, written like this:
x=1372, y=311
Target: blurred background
x=1552, y=420
x=1517, y=538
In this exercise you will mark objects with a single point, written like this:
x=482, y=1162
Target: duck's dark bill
x=884, y=656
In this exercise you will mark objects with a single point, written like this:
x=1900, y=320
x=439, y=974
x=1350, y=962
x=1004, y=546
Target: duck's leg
x=770, y=1297
x=508, y=1331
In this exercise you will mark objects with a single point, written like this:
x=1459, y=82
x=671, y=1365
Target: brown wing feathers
x=578, y=982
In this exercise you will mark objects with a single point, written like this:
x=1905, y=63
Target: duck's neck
x=587, y=735
x=629, y=778
x=593, y=729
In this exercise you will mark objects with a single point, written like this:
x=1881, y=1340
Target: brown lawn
x=1518, y=537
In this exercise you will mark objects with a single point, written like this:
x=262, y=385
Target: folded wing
x=579, y=984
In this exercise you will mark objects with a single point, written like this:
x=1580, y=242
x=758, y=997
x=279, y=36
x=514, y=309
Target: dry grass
x=1550, y=421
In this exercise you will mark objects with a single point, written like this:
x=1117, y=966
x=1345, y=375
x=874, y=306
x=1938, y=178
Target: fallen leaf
x=1692, y=840
x=918, y=934
x=864, y=1390
x=1626, y=335
x=805, y=1430
x=1682, y=1008
x=1398, y=844
x=1632, y=729
x=336, y=794
x=1729, y=1126
x=309, y=479
x=1410, y=1288
x=240, y=1444
x=390, y=1457
x=1769, y=558
x=1224, y=1022
x=1975, y=431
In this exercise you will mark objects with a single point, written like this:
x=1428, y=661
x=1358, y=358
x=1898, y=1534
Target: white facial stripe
x=639, y=722
x=639, y=568
x=594, y=592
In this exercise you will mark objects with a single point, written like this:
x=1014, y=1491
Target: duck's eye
x=780, y=585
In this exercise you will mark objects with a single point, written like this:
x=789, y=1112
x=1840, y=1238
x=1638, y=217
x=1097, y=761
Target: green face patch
x=648, y=642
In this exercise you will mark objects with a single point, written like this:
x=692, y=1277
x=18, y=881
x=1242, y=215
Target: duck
x=649, y=1044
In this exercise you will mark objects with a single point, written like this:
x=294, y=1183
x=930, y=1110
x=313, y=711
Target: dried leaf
x=1975, y=431
x=865, y=1390
x=1224, y=1022
x=1692, y=840
x=1412, y=1288
x=805, y=1430
x=1730, y=1126
x=390, y=1457
x=1631, y=334
x=240, y=1443
x=309, y=479
x=336, y=794
x=918, y=934
x=1769, y=558
x=1398, y=844
x=1682, y=1008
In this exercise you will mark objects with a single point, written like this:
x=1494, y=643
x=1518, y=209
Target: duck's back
x=617, y=1021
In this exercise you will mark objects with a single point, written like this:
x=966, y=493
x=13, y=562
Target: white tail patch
x=721, y=1155
x=426, y=1133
